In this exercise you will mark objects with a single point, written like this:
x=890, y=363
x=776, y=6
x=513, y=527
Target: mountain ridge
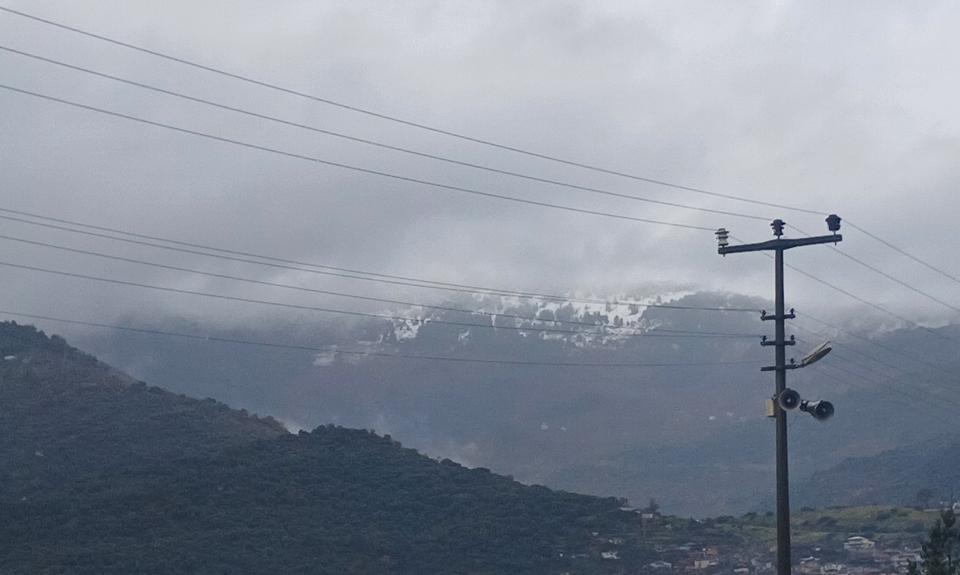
x=591, y=430
x=104, y=474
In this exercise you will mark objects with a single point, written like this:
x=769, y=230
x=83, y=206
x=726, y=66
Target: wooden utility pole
x=778, y=246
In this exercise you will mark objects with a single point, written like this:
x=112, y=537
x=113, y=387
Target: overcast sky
x=837, y=107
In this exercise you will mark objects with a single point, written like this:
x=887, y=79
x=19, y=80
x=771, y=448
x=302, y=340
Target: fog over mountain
x=830, y=109
x=798, y=103
x=663, y=432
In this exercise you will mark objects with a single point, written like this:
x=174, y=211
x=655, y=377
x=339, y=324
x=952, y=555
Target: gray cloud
x=847, y=110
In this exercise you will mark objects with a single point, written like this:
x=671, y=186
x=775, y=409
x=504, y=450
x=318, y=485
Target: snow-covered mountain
x=693, y=436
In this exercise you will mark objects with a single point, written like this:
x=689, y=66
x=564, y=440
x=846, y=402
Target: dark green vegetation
x=825, y=529
x=100, y=473
x=665, y=433
x=828, y=528
x=941, y=552
x=924, y=475
x=103, y=474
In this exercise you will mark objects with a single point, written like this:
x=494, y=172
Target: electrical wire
x=854, y=296
x=395, y=119
x=915, y=401
x=884, y=274
x=509, y=148
x=896, y=280
x=444, y=186
x=886, y=381
x=359, y=169
x=455, y=188
x=880, y=345
x=904, y=252
x=851, y=349
x=458, y=135
x=416, y=321
x=875, y=306
x=492, y=315
x=334, y=349
x=488, y=194
x=376, y=143
x=348, y=273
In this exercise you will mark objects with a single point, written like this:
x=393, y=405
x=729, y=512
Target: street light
x=816, y=354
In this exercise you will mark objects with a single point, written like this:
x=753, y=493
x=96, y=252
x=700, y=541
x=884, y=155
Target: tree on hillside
x=940, y=553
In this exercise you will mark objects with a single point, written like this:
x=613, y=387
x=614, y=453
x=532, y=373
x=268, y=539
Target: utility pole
x=784, y=398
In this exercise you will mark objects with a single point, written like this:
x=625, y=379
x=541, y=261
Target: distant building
x=858, y=545
x=705, y=563
x=809, y=565
x=903, y=559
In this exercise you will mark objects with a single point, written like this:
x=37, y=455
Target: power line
x=350, y=167
x=492, y=315
x=391, y=118
x=886, y=381
x=870, y=365
x=444, y=186
x=882, y=379
x=871, y=304
x=453, y=134
x=485, y=290
x=377, y=143
x=886, y=275
x=543, y=156
x=895, y=279
x=904, y=252
x=852, y=349
x=869, y=370
x=208, y=102
x=465, y=190
x=856, y=297
x=347, y=272
x=822, y=371
x=893, y=388
x=416, y=321
x=867, y=302
x=334, y=349
x=880, y=345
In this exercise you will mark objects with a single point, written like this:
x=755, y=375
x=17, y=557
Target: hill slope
x=663, y=433
x=102, y=474
x=894, y=477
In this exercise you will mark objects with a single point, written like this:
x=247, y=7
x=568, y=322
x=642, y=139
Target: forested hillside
x=925, y=475
x=103, y=474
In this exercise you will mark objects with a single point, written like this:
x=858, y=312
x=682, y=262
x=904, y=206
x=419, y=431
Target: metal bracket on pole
x=764, y=316
x=764, y=341
x=784, y=368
